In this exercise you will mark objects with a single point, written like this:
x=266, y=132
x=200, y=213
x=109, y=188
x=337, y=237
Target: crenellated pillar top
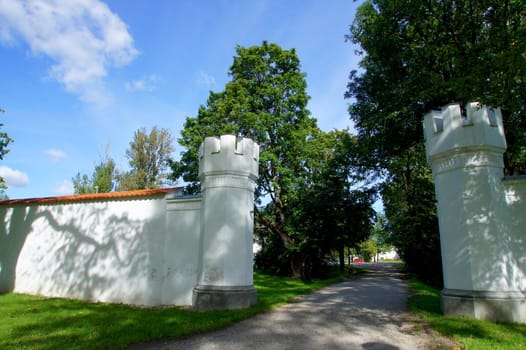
x=454, y=130
x=229, y=154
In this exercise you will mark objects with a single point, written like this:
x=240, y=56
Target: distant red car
x=358, y=261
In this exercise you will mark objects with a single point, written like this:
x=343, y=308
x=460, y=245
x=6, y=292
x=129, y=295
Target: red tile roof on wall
x=91, y=196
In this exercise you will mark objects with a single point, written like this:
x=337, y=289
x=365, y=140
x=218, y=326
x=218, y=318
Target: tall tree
x=149, y=156
x=82, y=184
x=368, y=250
x=381, y=234
x=333, y=178
x=417, y=56
x=265, y=100
x=5, y=140
x=103, y=178
x=420, y=55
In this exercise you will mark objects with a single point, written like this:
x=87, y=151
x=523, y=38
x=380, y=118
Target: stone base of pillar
x=207, y=298
x=485, y=305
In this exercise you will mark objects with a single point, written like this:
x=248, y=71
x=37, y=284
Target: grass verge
x=29, y=322
x=468, y=333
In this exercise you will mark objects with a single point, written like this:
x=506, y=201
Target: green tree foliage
x=265, y=100
x=5, y=140
x=149, y=156
x=334, y=206
x=381, y=234
x=103, y=178
x=330, y=210
x=82, y=184
x=421, y=55
x=409, y=201
x=368, y=250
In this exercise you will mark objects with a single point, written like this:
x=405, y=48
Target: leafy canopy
x=5, y=140
x=265, y=100
x=103, y=178
x=149, y=156
x=419, y=55
x=301, y=168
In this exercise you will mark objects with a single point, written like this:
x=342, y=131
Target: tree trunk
x=278, y=227
x=296, y=266
x=341, y=253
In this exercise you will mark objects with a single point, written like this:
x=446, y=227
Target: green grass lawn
x=468, y=333
x=29, y=322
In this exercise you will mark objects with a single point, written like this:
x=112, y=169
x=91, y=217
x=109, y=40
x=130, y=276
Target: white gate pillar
x=465, y=153
x=228, y=169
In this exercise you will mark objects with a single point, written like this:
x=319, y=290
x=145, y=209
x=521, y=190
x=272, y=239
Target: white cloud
x=13, y=178
x=56, y=155
x=64, y=188
x=82, y=37
x=206, y=80
x=148, y=83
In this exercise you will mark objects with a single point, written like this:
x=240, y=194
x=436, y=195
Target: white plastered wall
x=97, y=251
x=140, y=250
x=147, y=247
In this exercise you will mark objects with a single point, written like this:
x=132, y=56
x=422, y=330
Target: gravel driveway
x=367, y=312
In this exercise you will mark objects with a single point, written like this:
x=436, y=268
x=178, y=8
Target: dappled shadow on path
x=378, y=346
x=364, y=313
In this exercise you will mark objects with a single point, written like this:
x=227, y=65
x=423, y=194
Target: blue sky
x=80, y=76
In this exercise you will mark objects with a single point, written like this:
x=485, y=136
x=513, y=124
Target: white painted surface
x=137, y=249
x=104, y=251
x=481, y=217
x=181, y=251
x=390, y=255
x=228, y=204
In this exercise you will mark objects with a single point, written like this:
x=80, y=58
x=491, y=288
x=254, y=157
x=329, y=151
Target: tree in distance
x=5, y=140
x=103, y=178
x=149, y=157
x=333, y=206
